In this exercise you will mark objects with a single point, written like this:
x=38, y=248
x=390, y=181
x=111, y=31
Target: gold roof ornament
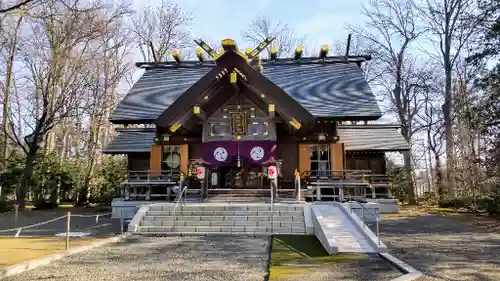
x=298, y=52
x=228, y=44
x=274, y=53
x=323, y=52
x=199, y=54
x=248, y=51
x=177, y=56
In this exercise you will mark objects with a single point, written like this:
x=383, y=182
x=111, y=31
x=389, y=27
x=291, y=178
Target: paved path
x=446, y=248
x=170, y=258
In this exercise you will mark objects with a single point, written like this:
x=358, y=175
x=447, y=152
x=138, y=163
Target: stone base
x=128, y=207
x=386, y=206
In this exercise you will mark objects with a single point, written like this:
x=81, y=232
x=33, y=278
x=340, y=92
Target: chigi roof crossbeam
x=303, y=60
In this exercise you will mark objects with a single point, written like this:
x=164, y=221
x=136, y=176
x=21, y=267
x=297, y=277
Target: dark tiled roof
x=131, y=140
x=155, y=91
x=372, y=137
x=324, y=89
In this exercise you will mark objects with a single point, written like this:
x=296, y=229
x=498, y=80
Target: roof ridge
x=371, y=126
x=264, y=62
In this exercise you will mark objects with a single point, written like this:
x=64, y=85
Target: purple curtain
x=225, y=153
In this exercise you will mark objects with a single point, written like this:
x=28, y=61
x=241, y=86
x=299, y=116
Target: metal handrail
x=176, y=204
x=363, y=209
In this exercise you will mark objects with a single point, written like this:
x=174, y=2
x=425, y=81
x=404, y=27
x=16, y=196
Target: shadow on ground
x=459, y=247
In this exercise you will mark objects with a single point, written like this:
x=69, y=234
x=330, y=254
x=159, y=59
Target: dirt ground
x=444, y=245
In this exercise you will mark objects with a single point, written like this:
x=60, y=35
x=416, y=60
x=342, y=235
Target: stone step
x=225, y=229
x=225, y=213
x=226, y=218
x=226, y=207
x=222, y=223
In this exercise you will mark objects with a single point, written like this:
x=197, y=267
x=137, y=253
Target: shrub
x=42, y=204
x=465, y=202
x=6, y=205
x=491, y=202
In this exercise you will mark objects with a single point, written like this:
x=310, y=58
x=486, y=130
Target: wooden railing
x=339, y=184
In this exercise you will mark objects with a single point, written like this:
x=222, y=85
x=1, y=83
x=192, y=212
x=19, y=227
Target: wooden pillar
x=304, y=158
x=337, y=157
x=184, y=165
x=155, y=159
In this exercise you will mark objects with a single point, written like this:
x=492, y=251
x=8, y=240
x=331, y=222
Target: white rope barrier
x=18, y=229
x=33, y=225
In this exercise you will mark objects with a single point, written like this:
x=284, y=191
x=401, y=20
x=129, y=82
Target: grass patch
x=16, y=250
x=297, y=255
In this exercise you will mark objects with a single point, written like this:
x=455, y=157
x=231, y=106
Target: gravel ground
x=155, y=258
x=446, y=247
x=366, y=269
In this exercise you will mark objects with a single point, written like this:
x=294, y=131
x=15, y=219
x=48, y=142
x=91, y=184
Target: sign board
x=238, y=123
x=214, y=179
x=272, y=172
x=200, y=172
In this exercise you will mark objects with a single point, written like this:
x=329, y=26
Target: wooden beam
x=180, y=122
x=188, y=99
x=288, y=106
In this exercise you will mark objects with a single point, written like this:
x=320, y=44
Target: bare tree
x=10, y=40
x=430, y=119
x=453, y=23
x=56, y=55
x=391, y=28
x=166, y=27
x=262, y=27
x=17, y=6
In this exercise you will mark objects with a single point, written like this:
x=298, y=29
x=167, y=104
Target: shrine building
x=235, y=115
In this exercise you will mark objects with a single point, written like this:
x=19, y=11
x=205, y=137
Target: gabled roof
x=373, y=137
x=154, y=92
x=130, y=141
x=325, y=89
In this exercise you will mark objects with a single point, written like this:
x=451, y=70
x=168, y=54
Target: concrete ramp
x=337, y=231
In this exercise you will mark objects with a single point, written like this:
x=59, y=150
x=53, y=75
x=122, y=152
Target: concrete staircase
x=238, y=196
x=224, y=219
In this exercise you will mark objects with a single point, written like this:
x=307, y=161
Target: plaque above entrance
x=238, y=124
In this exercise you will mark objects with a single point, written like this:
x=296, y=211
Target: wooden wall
x=304, y=158
x=288, y=152
x=337, y=156
x=156, y=157
x=138, y=161
x=374, y=161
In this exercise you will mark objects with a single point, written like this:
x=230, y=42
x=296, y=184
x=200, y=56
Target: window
x=219, y=129
x=171, y=157
x=320, y=159
x=258, y=129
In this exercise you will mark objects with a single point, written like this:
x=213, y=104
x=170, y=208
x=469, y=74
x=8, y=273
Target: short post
x=121, y=220
x=297, y=182
x=68, y=221
x=363, y=216
x=16, y=214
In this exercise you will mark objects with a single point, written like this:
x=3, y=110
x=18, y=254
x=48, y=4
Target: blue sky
x=321, y=21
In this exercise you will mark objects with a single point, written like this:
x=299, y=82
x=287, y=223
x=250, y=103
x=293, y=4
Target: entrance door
x=250, y=177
